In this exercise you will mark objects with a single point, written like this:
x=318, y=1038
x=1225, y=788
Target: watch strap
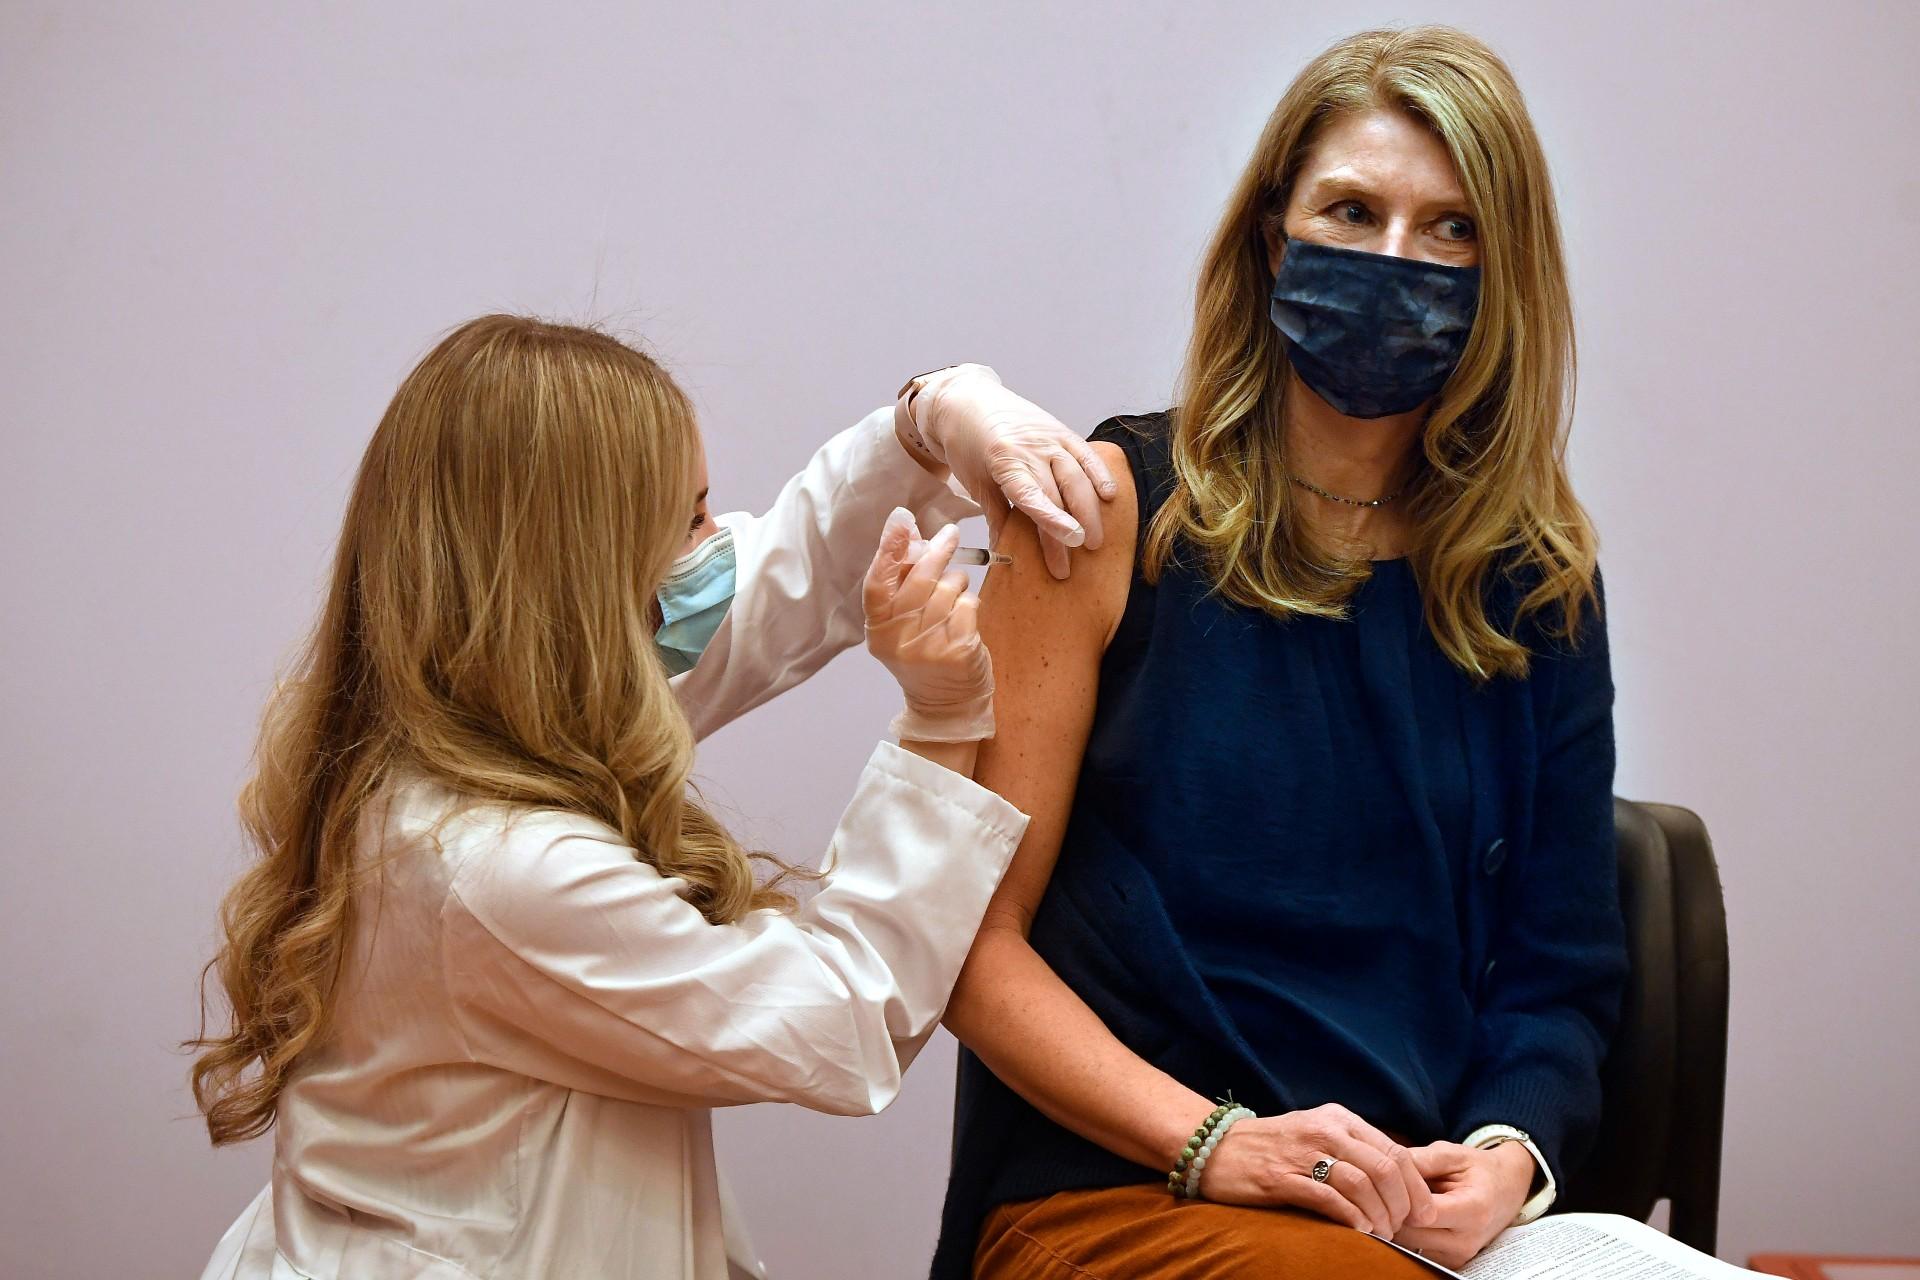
x=904, y=424
x=1488, y=1136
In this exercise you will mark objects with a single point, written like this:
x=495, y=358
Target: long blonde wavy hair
x=1493, y=496
x=489, y=626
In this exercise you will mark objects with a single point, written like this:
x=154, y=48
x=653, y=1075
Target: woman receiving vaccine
x=1316, y=925
x=494, y=960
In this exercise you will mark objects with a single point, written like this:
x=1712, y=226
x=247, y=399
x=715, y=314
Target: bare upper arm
x=1047, y=638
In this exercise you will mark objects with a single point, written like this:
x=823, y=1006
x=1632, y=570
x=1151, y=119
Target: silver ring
x=1322, y=1168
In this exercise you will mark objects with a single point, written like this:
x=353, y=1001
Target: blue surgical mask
x=1373, y=335
x=694, y=598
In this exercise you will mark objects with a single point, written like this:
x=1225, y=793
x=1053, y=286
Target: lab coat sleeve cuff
x=996, y=817
x=914, y=863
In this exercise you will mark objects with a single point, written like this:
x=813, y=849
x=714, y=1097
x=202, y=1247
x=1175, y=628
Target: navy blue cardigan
x=1310, y=861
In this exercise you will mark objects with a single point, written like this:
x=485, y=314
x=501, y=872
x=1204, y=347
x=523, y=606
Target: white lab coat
x=533, y=1024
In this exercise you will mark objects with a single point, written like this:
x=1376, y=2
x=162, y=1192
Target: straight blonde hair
x=488, y=626
x=1493, y=496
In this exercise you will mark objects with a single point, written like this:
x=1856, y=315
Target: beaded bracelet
x=1185, y=1178
x=1199, y=1165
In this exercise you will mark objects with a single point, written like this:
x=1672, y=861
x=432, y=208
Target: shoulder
x=1023, y=600
x=542, y=882
x=1145, y=438
x=1569, y=657
x=493, y=850
x=1560, y=627
x=1136, y=428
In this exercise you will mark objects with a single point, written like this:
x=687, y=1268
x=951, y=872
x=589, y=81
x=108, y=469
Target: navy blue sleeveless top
x=1285, y=864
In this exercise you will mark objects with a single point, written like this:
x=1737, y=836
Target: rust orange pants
x=1143, y=1233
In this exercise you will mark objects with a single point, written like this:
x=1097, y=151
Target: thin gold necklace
x=1311, y=487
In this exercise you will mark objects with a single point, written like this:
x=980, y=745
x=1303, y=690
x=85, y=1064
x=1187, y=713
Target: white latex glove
x=924, y=625
x=1008, y=452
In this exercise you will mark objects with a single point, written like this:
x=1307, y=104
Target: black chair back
x=1664, y=1082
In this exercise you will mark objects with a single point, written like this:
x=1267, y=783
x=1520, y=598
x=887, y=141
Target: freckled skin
x=1046, y=638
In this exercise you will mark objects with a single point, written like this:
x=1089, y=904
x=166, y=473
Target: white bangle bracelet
x=1488, y=1136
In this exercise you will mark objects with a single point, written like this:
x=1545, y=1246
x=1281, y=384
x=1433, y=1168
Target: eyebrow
x=1341, y=185
x=701, y=496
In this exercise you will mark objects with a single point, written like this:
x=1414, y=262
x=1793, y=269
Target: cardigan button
x=1495, y=857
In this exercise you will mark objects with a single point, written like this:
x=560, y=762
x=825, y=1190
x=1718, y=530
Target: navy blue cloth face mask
x=1372, y=334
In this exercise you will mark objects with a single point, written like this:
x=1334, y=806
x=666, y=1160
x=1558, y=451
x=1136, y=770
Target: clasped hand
x=1476, y=1194
x=1446, y=1200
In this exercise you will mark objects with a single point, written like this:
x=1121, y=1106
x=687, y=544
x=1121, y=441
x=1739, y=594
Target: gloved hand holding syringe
x=922, y=623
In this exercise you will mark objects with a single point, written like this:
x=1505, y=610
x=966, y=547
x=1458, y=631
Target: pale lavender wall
x=225, y=231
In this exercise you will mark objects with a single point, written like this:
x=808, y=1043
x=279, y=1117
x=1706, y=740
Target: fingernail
x=1076, y=536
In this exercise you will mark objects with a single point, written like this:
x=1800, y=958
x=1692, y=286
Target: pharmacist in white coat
x=518, y=1078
